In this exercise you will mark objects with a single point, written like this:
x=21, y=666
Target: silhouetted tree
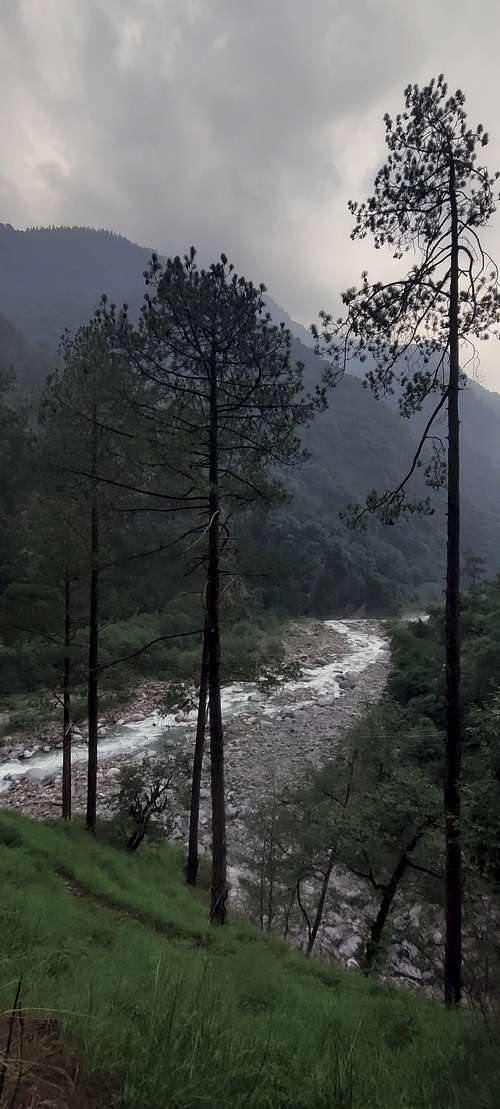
x=431, y=197
x=87, y=420
x=222, y=381
x=474, y=568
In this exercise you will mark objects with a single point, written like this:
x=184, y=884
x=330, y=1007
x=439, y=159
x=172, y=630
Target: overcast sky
x=236, y=125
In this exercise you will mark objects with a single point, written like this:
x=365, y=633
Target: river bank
x=344, y=666
x=269, y=737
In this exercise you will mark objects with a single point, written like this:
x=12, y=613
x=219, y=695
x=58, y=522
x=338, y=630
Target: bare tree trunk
x=288, y=910
x=389, y=892
x=93, y=677
x=321, y=903
x=219, y=874
x=453, y=877
x=135, y=839
x=194, y=815
x=270, y=891
x=262, y=875
x=66, y=767
x=93, y=646
x=304, y=912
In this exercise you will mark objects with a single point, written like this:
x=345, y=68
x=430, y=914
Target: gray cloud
x=238, y=126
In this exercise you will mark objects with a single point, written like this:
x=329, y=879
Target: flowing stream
x=363, y=646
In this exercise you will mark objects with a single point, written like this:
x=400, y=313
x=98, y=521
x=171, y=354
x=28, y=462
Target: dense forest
x=355, y=444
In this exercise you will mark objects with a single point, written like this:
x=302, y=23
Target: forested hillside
x=51, y=279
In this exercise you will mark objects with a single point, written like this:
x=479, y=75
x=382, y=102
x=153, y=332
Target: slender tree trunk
x=321, y=903
x=66, y=767
x=304, y=912
x=219, y=875
x=453, y=877
x=194, y=815
x=288, y=910
x=135, y=839
x=270, y=890
x=262, y=876
x=93, y=648
x=389, y=893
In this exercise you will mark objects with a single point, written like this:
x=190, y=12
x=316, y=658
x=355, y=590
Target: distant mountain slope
x=278, y=314
x=30, y=364
x=53, y=278
x=357, y=445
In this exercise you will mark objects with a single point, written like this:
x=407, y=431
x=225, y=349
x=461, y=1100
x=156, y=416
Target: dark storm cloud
x=241, y=126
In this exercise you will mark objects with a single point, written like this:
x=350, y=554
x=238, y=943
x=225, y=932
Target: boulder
x=350, y=947
x=46, y=749
x=112, y=772
x=414, y=915
x=38, y=776
x=27, y=753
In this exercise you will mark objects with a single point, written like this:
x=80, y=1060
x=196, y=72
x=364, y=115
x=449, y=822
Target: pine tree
x=222, y=381
x=431, y=197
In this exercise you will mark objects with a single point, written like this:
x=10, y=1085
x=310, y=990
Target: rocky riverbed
x=268, y=736
x=344, y=666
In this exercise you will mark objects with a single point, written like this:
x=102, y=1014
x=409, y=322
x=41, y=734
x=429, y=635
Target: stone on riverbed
x=350, y=947
x=38, y=776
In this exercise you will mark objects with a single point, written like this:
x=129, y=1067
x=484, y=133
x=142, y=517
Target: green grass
x=118, y=949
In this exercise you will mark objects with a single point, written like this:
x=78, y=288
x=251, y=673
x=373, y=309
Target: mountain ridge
x=53, y=278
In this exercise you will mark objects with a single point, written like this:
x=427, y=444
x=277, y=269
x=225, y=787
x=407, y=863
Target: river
x=337, y=654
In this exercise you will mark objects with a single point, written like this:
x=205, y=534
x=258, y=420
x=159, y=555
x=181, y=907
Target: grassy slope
x=179, y=1015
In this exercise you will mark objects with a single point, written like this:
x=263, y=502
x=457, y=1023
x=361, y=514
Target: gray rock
x=38, y=776
x=350, y=947
x=409, y=951
x=46, y=749
x=181, y=826
x=415, y=914
x=112, y=772
x=136, y=718
x=408, y=970
x=27, y=753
